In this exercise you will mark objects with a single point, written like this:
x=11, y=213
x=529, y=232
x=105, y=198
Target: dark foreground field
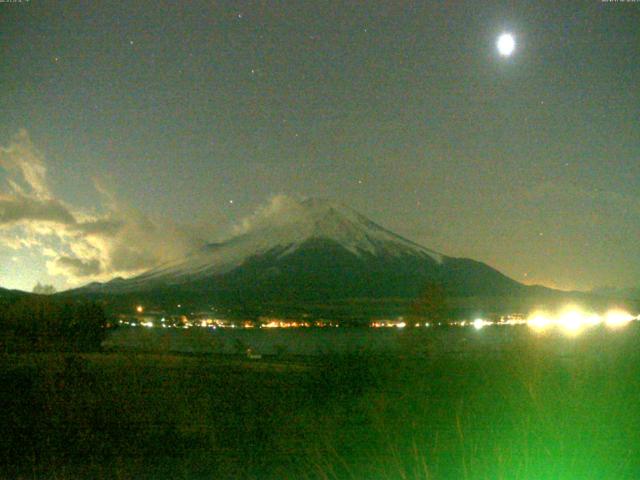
x=542, y=407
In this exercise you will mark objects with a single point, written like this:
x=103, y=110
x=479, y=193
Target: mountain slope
x=316, y=252
x=6, y=293
x=316, y=219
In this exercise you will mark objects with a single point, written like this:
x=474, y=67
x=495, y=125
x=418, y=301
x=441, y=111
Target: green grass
x=543, y=408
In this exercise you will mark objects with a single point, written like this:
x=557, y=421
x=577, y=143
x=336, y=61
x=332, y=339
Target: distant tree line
x=44, y=323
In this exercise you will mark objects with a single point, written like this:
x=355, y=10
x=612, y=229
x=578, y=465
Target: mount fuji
x=316, y=251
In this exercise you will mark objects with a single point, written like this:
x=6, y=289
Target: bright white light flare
x=572, y=321
x=478, y=323
x=617, y=318
x=539, y=321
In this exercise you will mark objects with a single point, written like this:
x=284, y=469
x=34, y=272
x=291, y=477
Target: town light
x=539, y=321
x=572, y=321
x=479, y=323
x=617, y=318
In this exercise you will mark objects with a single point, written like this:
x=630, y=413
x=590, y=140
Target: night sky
x=132, y=131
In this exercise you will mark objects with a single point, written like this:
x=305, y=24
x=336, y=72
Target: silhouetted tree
x=431, y=305
x=39, y=323
x=44, y=289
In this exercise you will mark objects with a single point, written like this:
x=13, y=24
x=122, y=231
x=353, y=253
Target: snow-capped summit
x=355, y=232
x=323, y=219
x=312, y=250
x=282, y=228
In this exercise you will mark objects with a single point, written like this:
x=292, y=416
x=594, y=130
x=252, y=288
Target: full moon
x=506, y=44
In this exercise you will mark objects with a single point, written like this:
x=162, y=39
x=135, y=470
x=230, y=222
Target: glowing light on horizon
x=479, y=323
x=572, y=321
x=617, y=318
x=539, y=321
x=593, y=319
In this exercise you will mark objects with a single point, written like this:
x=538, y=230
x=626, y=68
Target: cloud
x=280, y=210
x=75, y=267
x=26, y=163
x=105, y=226
x=81, y=246
x=17, y=208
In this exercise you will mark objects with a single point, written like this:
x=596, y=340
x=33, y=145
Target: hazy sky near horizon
x=133, y=131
